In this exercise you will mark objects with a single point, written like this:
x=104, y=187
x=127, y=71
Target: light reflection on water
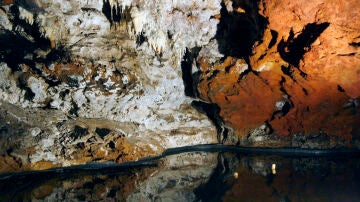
x=197, y=176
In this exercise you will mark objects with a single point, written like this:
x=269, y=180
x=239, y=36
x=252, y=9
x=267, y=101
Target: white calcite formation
x=135, y=88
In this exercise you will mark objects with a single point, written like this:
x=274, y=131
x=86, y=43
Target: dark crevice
x=213, y=75
x=102, y=132
x=282, y=89
x=190, y=79
x=47, y=104
x=74, y=109
x=212, y=111
x=293, y=50
x=106, y=10
x=71, y=81
x=274, y=36
x=9, y=151
x=140, y=39
x=237, y=32
x=262, y=56
x=303, y=74
x=340, y=89
x=288, y=71
x=29, y=95
x=170, y=35
x=80, y=146
x=282, y=112
x=119, y=157
x=52, y=82
x=60, y=55
x=305, y=91
x=247, y=71
x=116, y=13
x=269, y=128
x=111, y=194
x=288, y=105
x=111, y=145
x=63, y=93
x=227, y=69
x=286, y=108
x=223, y=135
x=86, y=9
x=355, y=44
x=244, y=73
x=347, y=54
x=78, y=132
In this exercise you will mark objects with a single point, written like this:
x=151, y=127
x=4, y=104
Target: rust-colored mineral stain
x=6, y=2
x=43, y=165
x=322, y=92
x=8, y=164
x=253, y=105
x=321, y=108
x=246, y=103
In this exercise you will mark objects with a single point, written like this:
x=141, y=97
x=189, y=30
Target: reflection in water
x=296, y=179
x=196, y=176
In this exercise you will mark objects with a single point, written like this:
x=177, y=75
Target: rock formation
x=119, y=80
x=98, y=80
x=290, y=77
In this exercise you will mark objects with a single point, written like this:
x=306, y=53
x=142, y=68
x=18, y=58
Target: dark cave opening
x=212, y=111
x=188, y=77
x=238, y=31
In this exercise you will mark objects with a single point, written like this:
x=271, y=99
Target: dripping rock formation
x=120, y=80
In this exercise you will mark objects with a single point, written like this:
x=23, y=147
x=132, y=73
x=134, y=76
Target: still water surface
x=195, y=176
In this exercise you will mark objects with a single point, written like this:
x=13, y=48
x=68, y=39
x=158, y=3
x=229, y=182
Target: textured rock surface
x=107, y=71
x=296, y=83
x=119, y=80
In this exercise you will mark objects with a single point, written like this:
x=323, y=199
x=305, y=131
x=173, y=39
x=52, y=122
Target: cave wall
x=295, y=82
x=119, y=80
x=98, y=80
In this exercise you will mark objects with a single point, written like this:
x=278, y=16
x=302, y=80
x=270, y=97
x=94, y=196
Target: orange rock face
x=334, y=56
x=303, y=77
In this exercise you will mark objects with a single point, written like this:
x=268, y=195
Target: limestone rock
x=93, y=66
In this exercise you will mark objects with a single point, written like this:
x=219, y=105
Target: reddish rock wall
x=302, y=85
